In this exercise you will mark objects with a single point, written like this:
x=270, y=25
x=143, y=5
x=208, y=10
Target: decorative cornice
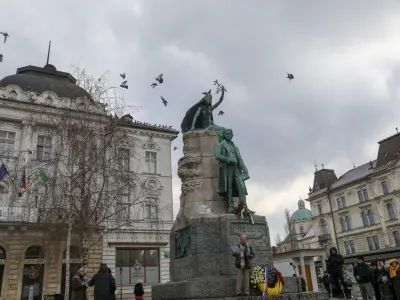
x=151, y=144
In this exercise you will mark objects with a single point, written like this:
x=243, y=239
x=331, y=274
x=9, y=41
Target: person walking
x=243, y=256
x=374, y=280
x=394, y=273
x=363, y=277
x=348, y=278
x=326, y=282
x=335, y=265
x=138, y=290
x=112, y=290
x=79, y=286
x=104, y=284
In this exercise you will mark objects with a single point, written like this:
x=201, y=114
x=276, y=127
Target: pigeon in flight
x=165, y=102
x=123, y=85
x=6, y=35
x=221, y=113
x=1, y=57
x=122, y=75
x=175, y=148
x=216, y=82
x=153, y=85
x=160, y=79
x=290, y=76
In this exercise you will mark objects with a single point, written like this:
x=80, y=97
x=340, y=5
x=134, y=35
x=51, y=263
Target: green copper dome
x=302, y=213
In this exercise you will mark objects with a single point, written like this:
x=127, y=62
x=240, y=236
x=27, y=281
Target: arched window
x=391, y=211
x=49, y=101
x=2, y=253
x=12, y=95
x=81, y=106
x=74, y=252
x=364, y=218
x=324, y=227
x=371, y=218
x=34, y=252
x=301, y=229
x=343, y=224
x=348, y=223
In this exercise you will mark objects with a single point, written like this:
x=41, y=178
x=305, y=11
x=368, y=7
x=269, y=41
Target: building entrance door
x=32, y=282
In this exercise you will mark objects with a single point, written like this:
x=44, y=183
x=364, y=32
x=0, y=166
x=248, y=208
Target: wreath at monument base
x=267, y=279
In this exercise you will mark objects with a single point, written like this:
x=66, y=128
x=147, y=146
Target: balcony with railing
x=25, y=214
x=324, y=237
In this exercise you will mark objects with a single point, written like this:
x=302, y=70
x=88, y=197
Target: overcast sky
x=345, y=56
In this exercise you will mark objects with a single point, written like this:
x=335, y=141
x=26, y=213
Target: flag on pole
x=3, y=171
x=22, y=183
x=43, y=177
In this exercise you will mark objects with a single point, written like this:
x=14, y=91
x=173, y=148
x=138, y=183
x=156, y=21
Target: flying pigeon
x=165, y=102
x=160, y=79
x=216, y=82
x=221, y=113
x=123, y=85
x=175, y=148
x=122, y=75
x=153, y=85
x=6, y=35
x=290, y=76
x=1, y=57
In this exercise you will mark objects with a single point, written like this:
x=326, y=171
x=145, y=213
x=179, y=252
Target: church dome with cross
x=302, y=213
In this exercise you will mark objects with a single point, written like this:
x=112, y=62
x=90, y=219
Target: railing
x=324, y=237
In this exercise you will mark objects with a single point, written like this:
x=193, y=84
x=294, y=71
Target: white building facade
x=138, y=252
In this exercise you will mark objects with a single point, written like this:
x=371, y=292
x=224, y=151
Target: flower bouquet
x=267, y=279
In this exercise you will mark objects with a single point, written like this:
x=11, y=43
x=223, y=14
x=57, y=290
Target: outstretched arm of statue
x=220, y=157
x=195, y=118
x=220, y=99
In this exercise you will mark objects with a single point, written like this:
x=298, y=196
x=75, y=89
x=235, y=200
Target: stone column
x=383, y=223
x=303, y=270
x=323, y=261
x=26, y=141
x=332, y=231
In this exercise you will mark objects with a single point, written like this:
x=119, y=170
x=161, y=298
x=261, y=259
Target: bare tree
x=278, y=239
x=82, y=173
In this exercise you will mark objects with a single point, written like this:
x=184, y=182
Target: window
x=320, y=209
x=373, y=243
x=81, y=106
x=151, y=162
x=134, y=264
x=301, y=229
x=151, y=209
x=385, y=187
x=12, y=95
x=348, y=223
x=123, y=209
x=324, y=227
x=48, y=101
x=396, y=238
x=390, y=210
x=363, y=195
x=364, y=217
x=368, y=218
x=7, y=140
x=371, y=218
x=326, y=250
x=343, y=224
x=123, y=157
x=341, y=202
x=34, y=252
x=43, y=148
x=352, y=246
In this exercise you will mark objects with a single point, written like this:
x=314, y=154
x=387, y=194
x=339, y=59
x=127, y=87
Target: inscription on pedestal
x=255, y=231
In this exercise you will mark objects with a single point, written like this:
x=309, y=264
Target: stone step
x=288, y=296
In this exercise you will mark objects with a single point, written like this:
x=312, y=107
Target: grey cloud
x=280, y=127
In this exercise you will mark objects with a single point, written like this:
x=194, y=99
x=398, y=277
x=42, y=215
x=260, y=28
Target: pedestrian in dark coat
x=335, y=270
x=113, y=291
x=138, y=290
x=374, y=280
x=78, y=286
x=104, y=284
x=362, y=273
x=326, y=282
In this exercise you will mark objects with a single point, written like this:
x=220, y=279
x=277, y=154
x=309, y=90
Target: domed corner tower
x=301, y=219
